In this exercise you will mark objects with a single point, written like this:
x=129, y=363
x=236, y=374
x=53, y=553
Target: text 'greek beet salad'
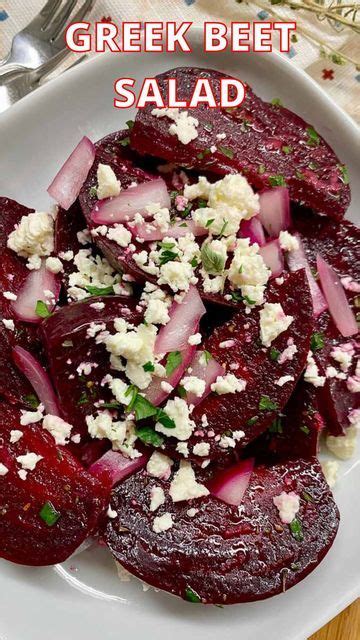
x=174, y=338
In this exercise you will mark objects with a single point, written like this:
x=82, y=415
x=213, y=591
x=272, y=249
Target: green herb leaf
x=307, y=497
x=110, y=405
x=266, y=404
x=49, y=514
x=173, y=360
x=209, y=222
x=194, y=263
x=296, y=530
x=226, y=222
x=125, y=142
x=276, y=102
x=83, y=398
x=130, y=124
x=149, y=436
x=167, y=256
x=277, y=181
x=41, y=309
x=305, y=429
x=99, y=291
x=313, y=137
x=226, y=152
x=274, y=354
x=165, y=420
x=143, y=408
x=202, y=203
x=166, y=245
x=295, y=566
x=317, y=341
x=32, y=400
x=207, y=356
x=181, y=391
x=93, y=192
x=212, y=261
x=299, y=175
x=261, y=169
x=252, y=421
x=336, y=58
x=287, y=149
x=149, y=367
x=344, y=173
x=191, y=595
x=203, y=153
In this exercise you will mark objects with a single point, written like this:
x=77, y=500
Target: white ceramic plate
x=83, y=599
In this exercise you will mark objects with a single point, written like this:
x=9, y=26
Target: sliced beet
x=57, y=481
x=256, y=134
x=67, y=225
x=225, y=554
x=13, y=272
x=111, y=151
x=296, y=430
x=241, y=411
x=68, y=346
x=339, y=246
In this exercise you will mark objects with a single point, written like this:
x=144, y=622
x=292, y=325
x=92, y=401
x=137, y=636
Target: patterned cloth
x=340, y=81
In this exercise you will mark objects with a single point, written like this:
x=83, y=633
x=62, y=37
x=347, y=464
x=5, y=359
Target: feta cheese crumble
x=184, y=126
x=288, y=242
x=159, y=465
x=343, y=447
x=108, y=184
x=312, y=372
x=288, y=504
x=15, y=435
x=157, y=498
x=228, y=384
x=3, y=470
x=248, y=272
x=273, y=322
x=28, y=461
x=184, y=485
x=59, y=429
x=162, y=523
x=178, y=410
x=194, y=385
x=330, y=469
x=33, y=236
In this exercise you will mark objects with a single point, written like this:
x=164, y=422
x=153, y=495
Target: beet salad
x=177, y=335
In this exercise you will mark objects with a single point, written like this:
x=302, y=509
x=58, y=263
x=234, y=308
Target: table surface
x=346, y=626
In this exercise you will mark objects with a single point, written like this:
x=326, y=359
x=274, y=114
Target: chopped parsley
x=277, y=181
x=226, y=152
x=201, y=203
x=49, y=514
x=125, y=142
x=274, y=354
x=181, y=391
x=167, y=256
x=32, y=400
x=130, y=124
x=252, y=421
x=209, y=222
x=110, y=405
x=147, y=435
x=265, y=404
x=165, y=420
x=93, y=192
x=202, y=154
x=83, y=398
x=299, y=175
x=344, y=173
x=276, y=426
x=276, y=102
x=149, y=367
x=305, y=429
x=99, y=291
x=212, y=261
x=307, y=497
x=143, y=408
x=317, y=341
x=261, y=169
x=296, y=530
x=41, y=309
x=173, y=360
x=207, y=356
x=313, y=137
x=191, y=595
x=287, y=149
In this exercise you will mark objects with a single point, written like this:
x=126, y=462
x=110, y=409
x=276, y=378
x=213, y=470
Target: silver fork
x=43, y=38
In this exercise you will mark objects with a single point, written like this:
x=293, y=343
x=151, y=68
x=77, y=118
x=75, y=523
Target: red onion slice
x=38, y=378
x=205, y=369
x=33, y=289
x=339, y=308
x=273, y=257
x=113, y=467
x=231, y=484
x=131, y=201
x=296, y=260
x=67, y=183
x=254, y=230
x=184, y=321
x=150, y=231
x=155, y=393
x=275, y=210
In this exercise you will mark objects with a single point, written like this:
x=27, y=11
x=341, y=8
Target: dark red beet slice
x=256, y=133
x=109, y=150
x=224, y=554
x=67, y=346
x=295, y=432
x=232, y=412
x=58, y=479
x=13, y=271
x=339, y=245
